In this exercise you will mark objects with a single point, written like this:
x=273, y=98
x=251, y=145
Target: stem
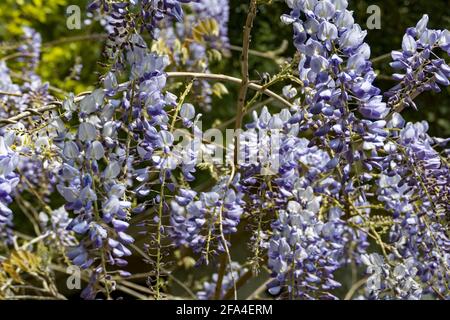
x=244, y=64
x=207, y=76
x=4, y=93
x=354, y=288
x=272, y=55
x=169, y=273
x=158, y=236
x=180, y=104
x=381, y=58
x=102, y=251
x=220, y=275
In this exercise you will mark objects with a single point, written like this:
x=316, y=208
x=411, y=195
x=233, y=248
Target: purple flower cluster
x=122, y=18
x=337, y=89
x=334, y=60
x=27, y=157
x=416, y=169
x=91, y=181
x=304, y=252
x=31, y=49
x=8, y=181
x=201, y=224
x=386, y=282
x=420, y=68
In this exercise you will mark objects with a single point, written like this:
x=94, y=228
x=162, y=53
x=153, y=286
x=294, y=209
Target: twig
x=222, y=77
x=95, y=36
x=241, y=281
x=244, y=63
x=13, y=94
x=86, y=279
x=272, y=55
x=169, y=274
x=35, y=240
x=259, y=290
x=13, y=120
x=354, y=288
x=18, y=55
x=381, y=58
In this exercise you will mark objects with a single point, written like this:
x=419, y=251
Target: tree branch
x=207, y=76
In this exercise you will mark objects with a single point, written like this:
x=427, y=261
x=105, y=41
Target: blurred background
x=70, y=61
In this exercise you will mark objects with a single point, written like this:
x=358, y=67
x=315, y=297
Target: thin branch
x=169, y=274
x=241, y=281
x=381, y=58
x=272, y=55
x=222, y=77
x=13, y=94
x=244, y=63
x=220, y=276
x=85, y=278
x=30, y=112
x=259, y=290
x=354, y=288
x=95, y=36
x=19, y=55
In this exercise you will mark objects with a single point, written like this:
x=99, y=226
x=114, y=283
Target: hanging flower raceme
x=339, y=102
x=419, y=67
x=31, y=49
x=8, y=182
x=414, y=187
x=121, y=19
x=386, y=282
x=92, y=183
x=334, y=62
x=304, y=252
x=293, y=163
x=201, y=221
